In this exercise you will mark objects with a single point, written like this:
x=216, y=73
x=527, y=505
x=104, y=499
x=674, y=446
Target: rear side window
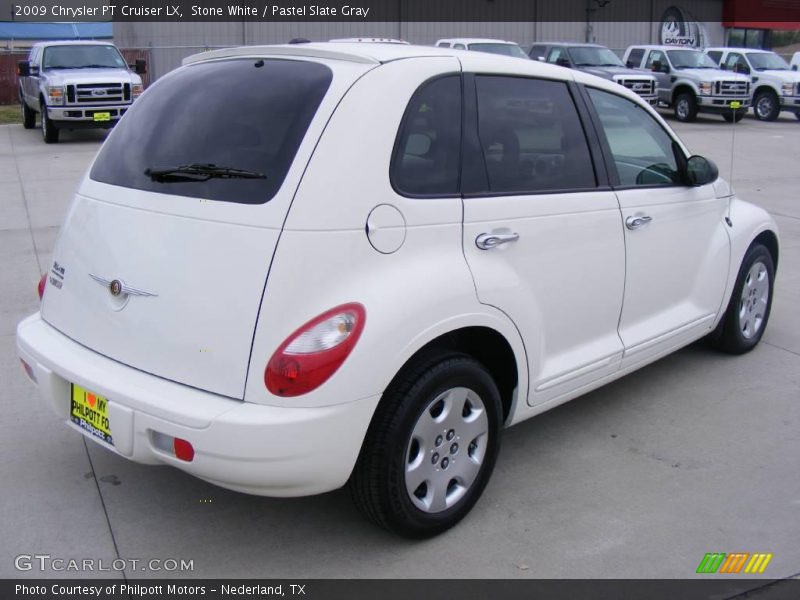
x=531, y=136
x=714, y=55
x=427, y=151
x=245, y=115
x=635, y=58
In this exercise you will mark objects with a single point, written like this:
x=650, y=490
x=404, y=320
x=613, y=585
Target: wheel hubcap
x=754, y=300
x=683, y=109
x=446, y=450
x=764, y=106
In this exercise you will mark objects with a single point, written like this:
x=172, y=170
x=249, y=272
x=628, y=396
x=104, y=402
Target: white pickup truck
x=776, y=86
x=76, y=85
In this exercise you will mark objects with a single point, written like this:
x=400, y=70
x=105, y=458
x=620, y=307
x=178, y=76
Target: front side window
x=635, y=58
x=557, y=54
x=83, y=57
x=427, y=151
x=735, y=62
x=715, y=55
x=643, y=152
x=531, y=136
x=655, y=56
x=224, y=130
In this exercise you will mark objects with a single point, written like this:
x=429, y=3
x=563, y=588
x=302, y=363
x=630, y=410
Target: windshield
x=499, y=48
x=225, y=130
x=762, y=61
x=587, y=56
x=690, y=59
x=82, y=57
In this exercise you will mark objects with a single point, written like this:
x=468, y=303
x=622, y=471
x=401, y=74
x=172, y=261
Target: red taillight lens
x=183, y=450
x=313, y=353
x=40, y=287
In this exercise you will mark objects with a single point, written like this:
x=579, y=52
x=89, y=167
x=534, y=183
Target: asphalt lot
x=697, y=453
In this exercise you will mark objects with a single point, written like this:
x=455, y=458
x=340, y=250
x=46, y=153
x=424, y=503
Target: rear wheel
x=748, y=311
x=685, y=107
x=431, y=447
x=49, y=131
x=766, y=106
x=28, y=115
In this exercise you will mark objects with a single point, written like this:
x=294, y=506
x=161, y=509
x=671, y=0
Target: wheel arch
x=486, y=345
x=770, y=241
x=764, y=88
x=680, y=89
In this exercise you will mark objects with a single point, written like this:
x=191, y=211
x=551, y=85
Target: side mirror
x=140, y=66
x=23, y=68
x=700, y=171
x=740, y=68
x=630, y=64
x=794, y=67
x=563, y=62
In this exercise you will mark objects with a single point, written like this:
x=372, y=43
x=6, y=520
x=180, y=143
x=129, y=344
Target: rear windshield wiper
x=199, y=172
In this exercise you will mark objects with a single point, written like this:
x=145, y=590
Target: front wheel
x=747, y=314
x=28, y=115
x=431, y=447
x=49, y=131
x=685, y=107
x=766, y=106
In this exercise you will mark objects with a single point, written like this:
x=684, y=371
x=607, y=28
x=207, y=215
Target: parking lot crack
x=103, y=504
x=25, y=203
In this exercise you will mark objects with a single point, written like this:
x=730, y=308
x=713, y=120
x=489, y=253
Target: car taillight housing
x=315, y=351
x=40, y=287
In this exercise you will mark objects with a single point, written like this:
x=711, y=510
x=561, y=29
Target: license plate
x=90, y=412
x=102, y=116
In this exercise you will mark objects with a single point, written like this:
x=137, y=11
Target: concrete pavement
x=696, y=453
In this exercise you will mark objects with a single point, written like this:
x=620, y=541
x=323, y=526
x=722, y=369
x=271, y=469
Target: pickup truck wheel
x=685, y=107
x=430, y=448
x=766, y=106
x=49, y=131
x=748, y=311
x=28, y=115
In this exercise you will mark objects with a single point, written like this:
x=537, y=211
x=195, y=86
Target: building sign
x=679, y=28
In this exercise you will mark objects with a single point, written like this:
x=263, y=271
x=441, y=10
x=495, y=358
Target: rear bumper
x=264, y=450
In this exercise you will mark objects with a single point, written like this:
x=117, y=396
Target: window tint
x=635, y=57
x=427, y=152
x=531, y=136
x=240, y=114
x=655, y=55
x=537, y=52
x=642, y=150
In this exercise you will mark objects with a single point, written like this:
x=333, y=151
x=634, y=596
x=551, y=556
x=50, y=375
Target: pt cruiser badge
x=118, y=287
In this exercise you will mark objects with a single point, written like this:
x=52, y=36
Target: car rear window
x=246, y=114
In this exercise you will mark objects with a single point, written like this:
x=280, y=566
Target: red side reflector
x=183, y=450
x=42, y=283
x=28, y=370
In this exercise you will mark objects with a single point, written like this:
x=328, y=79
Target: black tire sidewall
x=732, y=339
x=776, y=107
x=403, y=515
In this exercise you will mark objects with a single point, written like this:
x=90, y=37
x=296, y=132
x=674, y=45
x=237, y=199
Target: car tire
x=430, y=448
x=766, y=106
x=733, y=116
x=685, y=107
x=797, y=115
x=748, y=311
x=28, y=115
x=49, y=130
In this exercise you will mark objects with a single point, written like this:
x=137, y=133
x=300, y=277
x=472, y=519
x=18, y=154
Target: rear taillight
x=40, y=287
x=313, y=353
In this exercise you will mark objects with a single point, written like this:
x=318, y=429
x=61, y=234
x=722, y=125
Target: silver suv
x=597, y=60
x=775, y=86
x=76, y=85
x=690, y=82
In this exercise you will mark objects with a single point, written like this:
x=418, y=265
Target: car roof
x=375, y=54
x=661, y=47
x=73, y=43
x=730, y=49
x=474, y=41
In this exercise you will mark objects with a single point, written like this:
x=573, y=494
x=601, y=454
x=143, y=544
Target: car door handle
x=487, y=241
x=637, y=222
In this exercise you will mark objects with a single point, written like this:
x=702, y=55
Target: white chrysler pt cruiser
x=296, y=267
